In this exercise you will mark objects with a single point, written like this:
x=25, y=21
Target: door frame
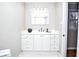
x=78, y=38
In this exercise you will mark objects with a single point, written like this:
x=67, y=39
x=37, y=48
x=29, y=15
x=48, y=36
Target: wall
x=58, y=22
x=50, y=6
x=11, y=23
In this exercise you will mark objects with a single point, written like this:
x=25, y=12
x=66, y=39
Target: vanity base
x=40, y=54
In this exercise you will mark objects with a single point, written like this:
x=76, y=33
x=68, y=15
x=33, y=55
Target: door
x=64, y=28
x=72, y=28
x=61, y=26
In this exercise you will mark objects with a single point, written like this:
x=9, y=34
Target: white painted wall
x=11, y=23
x=49, y=6
x=58, y=23
x=55, y=15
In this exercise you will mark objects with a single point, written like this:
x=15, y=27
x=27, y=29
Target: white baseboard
x=71, y=48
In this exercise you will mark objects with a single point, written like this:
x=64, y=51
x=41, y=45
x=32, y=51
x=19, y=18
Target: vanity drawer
x=24, y=36
x=27, y=42
x=27, y=48
x=56, y=36
x=27, y=36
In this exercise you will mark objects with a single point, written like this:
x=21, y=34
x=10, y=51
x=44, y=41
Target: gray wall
x=11, y=23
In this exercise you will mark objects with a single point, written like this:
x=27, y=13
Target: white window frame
x=39, y=16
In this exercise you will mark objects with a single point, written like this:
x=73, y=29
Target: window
x=39, y=16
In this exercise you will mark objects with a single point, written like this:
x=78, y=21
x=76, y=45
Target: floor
x=39, y=54
x=71, y=53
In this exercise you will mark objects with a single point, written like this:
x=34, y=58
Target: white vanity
x=45, y=15
x=40, y=41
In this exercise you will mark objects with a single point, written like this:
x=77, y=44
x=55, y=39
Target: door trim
x=78, y=39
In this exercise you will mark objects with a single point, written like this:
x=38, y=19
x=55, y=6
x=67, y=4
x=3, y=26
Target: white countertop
x=37, y=32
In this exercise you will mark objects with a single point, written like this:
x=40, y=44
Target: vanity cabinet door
x=38, y=42
x=27, y=42
x=46, y=42
x=41, y=42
